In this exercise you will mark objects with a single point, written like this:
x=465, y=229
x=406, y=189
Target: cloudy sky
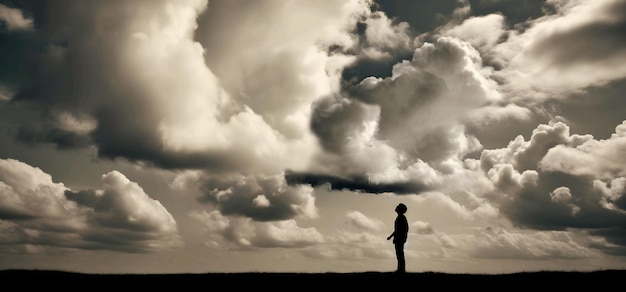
x=172, y=136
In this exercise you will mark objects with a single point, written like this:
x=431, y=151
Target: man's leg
x=400, y=257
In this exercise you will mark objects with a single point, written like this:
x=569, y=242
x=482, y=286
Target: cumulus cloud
x=272, y=56
x=360, y=221
x=14, y=19
x=258, y=197
x=557, y=180
x=245, y=233
x=482, y=32
x=421, y=227
x=412, y=122
x=525, y=155
x=36, y=211
x=28, y=192
x=586, y=156
x=381, y=38
x=379, y=42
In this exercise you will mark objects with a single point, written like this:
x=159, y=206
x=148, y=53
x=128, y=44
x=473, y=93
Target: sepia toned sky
x=196, y=136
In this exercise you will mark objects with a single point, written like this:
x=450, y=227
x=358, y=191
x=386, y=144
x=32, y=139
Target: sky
x=201, y=136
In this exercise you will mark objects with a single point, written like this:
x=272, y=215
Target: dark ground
x=28, y=280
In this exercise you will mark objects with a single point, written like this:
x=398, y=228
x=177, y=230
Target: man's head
x=401, y=208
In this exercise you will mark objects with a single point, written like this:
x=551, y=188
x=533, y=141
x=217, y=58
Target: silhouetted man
x=400, y=232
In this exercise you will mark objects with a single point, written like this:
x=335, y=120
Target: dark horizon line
x=59, y=271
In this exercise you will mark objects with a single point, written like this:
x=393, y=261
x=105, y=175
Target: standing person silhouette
x=400, y=232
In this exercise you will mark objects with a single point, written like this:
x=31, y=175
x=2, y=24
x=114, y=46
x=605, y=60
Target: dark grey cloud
x=534, y=207
x=403, y=101
x=31, y=125
x=614, y=235
x=359, y=184
x=336, y=119
x=553, y=215
x=261, y=198
x=69, y=75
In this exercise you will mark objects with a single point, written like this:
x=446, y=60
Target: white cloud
x=382, y=36
x=245, y=233
x=14, y=18
x=482, y=32
x=612, y=192
x=285, y=233
x=496, y=114
x=561, y=194
x=360, y=221
x=525, y=155
x=261, y=201
x=271, y=58
x=124, y=203
x=6, y=94
x=354, y=246
x=421, y=227
x=564, y=52
x=602, y=159
x=213, y=221
x=464, y=209
x=81, y=125
x=119, y=216
x=29, y=192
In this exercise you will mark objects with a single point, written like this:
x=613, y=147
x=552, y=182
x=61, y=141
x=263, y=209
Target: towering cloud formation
x=135, y=82
x=412, y=121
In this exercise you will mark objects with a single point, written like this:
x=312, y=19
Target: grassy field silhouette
x=71, y=281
